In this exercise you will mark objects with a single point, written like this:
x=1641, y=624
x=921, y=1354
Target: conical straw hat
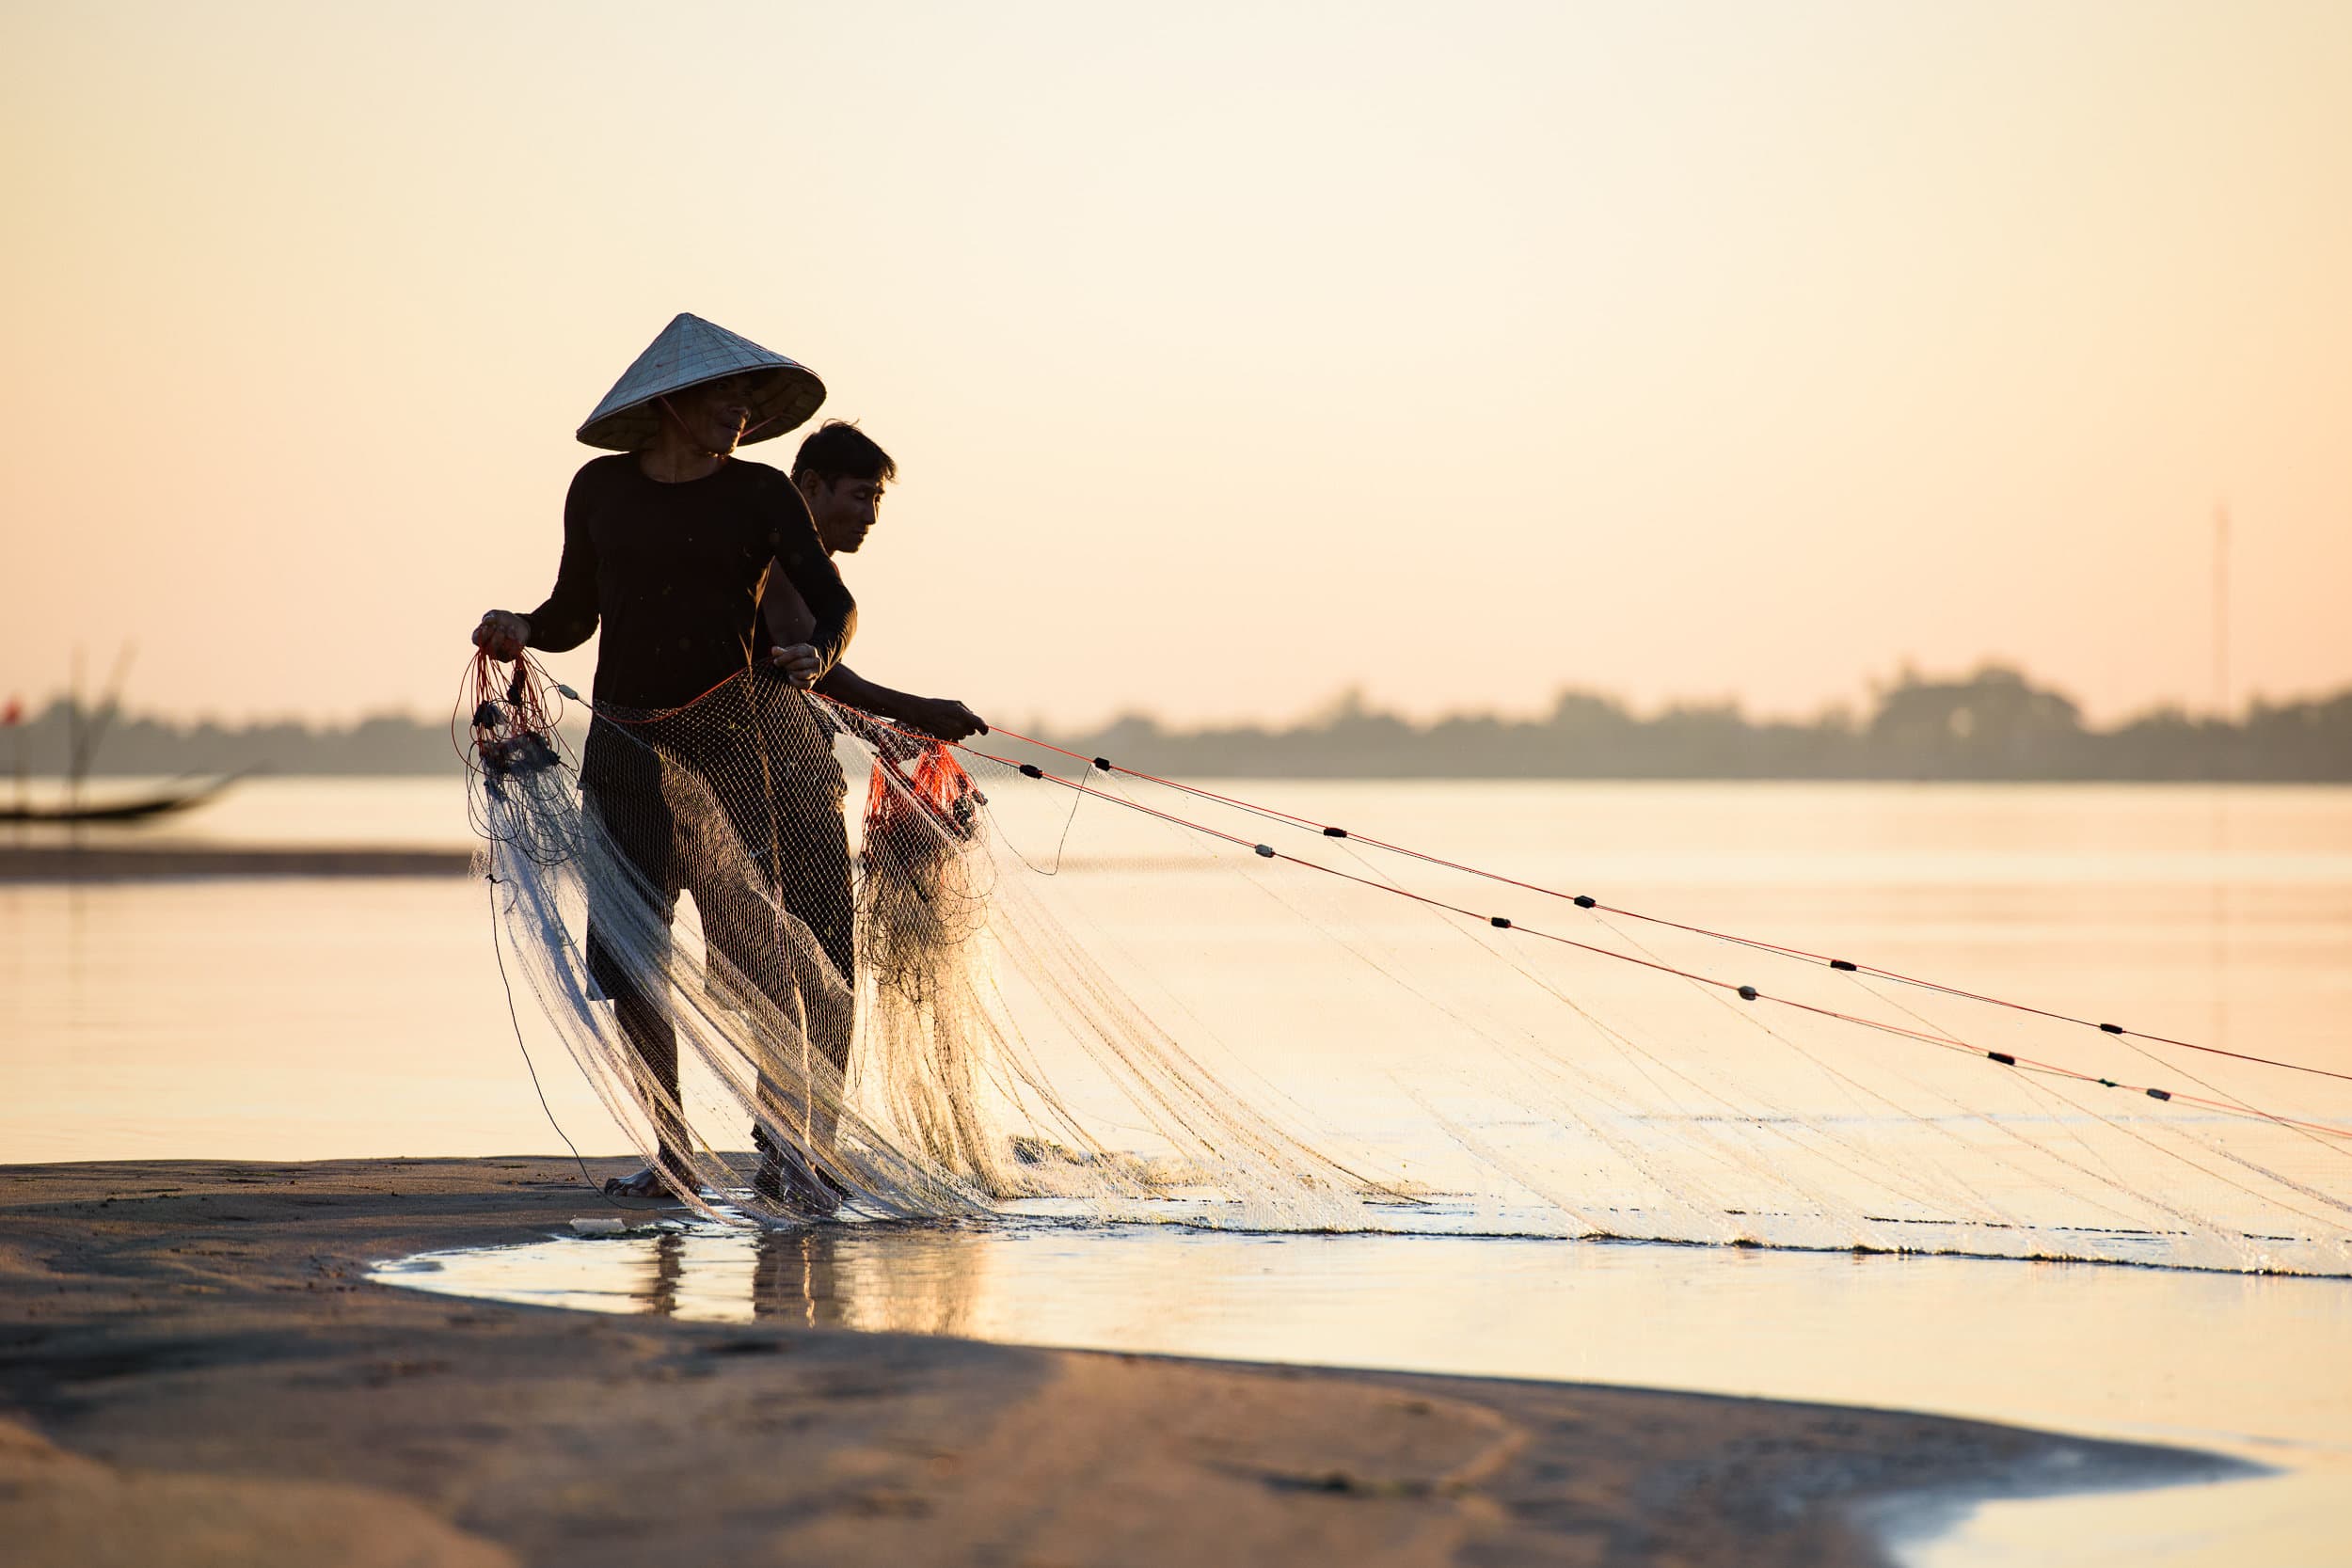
x=690, y=352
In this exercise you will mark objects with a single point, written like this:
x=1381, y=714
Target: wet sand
x=192, y=1370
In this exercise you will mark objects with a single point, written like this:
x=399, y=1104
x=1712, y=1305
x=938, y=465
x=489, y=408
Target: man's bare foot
x=648, y=1182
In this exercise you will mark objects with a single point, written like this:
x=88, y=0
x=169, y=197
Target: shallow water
x=2137, y=1351
x=2249, y=1366
x=300, y=1019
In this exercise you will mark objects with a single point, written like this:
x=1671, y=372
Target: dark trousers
x=768, y=819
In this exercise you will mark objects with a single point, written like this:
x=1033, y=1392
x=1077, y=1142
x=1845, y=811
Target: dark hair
x=838, y=450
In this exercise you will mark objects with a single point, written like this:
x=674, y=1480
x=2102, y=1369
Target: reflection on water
x=2131, y=1352
x=819, y=1278
x=2250, y=1365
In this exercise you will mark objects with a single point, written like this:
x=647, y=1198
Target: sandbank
x=194, y=1369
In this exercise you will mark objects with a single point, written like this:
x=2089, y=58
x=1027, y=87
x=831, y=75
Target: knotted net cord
x=908, y=1008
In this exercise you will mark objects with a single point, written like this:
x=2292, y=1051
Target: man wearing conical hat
x=667, y=546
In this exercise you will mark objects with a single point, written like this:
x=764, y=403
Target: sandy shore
x=194, y=1370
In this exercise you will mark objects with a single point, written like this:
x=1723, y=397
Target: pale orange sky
x=1234, y=354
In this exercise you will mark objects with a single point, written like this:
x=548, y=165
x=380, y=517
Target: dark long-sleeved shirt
x=673, y=571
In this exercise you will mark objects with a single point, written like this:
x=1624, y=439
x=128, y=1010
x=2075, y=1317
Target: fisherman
x=667, y=546
x=841, y=472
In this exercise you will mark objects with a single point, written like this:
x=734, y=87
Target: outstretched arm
x=792, y=624
x=941, y=718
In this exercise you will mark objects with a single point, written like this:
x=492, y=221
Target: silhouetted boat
x=84, y=728
x=138, y=809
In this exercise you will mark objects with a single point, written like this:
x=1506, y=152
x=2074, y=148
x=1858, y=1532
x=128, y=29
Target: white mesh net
x=1020, y=981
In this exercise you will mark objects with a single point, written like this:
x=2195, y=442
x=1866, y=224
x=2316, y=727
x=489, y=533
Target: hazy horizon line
x=1350, y=697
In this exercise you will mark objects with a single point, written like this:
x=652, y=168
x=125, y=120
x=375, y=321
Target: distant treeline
x=1993, y=724
x=388, y=743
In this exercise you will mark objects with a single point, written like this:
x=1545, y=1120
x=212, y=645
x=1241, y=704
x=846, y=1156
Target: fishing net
x=1002, y=978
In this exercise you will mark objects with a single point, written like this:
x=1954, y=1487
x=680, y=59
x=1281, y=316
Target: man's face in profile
x=845, y=510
